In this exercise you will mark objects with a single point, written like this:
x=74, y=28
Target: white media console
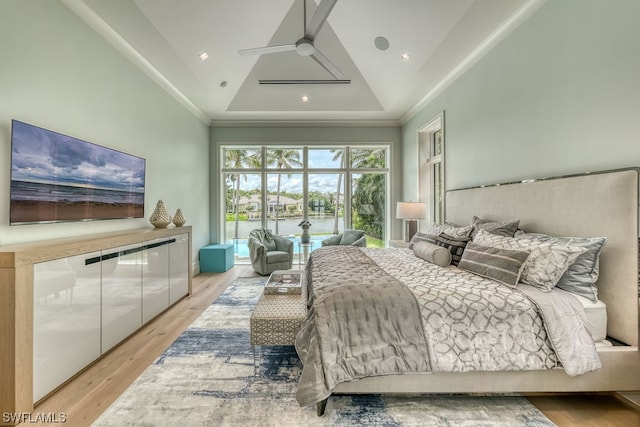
x=65, y=302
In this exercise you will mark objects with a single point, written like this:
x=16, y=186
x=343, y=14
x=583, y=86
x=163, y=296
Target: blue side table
x=216, y=258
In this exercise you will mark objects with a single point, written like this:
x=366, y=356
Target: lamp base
x=411, y=227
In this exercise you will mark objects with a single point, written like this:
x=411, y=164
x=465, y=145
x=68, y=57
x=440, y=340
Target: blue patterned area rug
x=206, y=378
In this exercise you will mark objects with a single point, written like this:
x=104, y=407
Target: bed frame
x=587, y=205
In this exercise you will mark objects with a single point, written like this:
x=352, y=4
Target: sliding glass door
x=325, y=206
x=285, y=206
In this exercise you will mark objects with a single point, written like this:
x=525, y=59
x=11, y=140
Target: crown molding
x=303, y=123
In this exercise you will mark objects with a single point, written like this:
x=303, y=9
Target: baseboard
x=630, y=398
x=195, y=268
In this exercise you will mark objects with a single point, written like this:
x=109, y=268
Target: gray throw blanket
x=263, y=240
x=363, y=324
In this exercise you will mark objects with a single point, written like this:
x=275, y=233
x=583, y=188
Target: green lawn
x=372, y=242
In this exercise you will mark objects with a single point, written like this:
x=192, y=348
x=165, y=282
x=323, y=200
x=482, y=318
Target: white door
x=179, y=268
x=121, y=293
x=155, y=277
x=66, y=319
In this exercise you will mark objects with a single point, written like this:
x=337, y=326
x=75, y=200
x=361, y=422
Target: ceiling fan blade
x=267, y=49
x=319, y=17
x=327, y=65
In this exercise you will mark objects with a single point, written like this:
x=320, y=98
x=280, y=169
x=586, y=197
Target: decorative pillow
x=455, y=245
x=502, y=265
x=431, y=235
x=546, y=263
x=452, y=230
x=421, y=237
x=433, y=253
x=502, y=228
x=350, y=236
x=580, y=278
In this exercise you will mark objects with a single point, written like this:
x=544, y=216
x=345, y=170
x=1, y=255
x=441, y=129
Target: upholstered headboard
x=589, y=205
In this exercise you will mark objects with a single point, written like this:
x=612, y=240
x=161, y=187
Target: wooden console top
x=20, y=254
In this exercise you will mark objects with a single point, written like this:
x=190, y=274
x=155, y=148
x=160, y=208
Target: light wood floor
x=85, y=397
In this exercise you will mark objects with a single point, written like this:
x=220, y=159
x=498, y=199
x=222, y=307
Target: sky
x=40, y=155
x=324, y=183
x=319, y=158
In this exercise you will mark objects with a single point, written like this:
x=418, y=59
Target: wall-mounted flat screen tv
x=56, y=178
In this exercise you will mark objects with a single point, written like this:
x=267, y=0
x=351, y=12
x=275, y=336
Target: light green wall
x=308, y=135
x=57, y=73
x=560, y=95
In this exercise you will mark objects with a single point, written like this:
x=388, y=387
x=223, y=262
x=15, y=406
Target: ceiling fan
x=305, y=47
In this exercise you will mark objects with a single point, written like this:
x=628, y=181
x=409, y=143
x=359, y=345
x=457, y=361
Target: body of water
x=321, y=226
x=23, y=190
x=241, y=249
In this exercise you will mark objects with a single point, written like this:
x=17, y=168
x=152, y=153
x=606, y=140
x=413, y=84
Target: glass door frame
x=347, y=170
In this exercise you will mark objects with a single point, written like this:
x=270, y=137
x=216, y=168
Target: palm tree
x=369, y=191
x=337, y=154
x=282, y=159
x=239, y=159
x=369, y=203
x=360, y=158
x=368, y=158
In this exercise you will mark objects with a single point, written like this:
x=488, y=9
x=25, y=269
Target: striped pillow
x=547, y=262
x=502, y=265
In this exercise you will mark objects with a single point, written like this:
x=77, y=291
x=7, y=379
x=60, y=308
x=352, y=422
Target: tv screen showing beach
x=57, y=178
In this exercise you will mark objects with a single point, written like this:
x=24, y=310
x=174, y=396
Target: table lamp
x=411, y=212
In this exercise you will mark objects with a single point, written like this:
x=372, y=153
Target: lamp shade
x=411, y=210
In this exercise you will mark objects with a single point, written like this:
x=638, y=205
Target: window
x=431, y=179
x=334, y=188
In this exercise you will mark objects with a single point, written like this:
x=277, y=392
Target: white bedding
x=440, y=287
x=378, y=312
x=595, y=314
x=596, y=317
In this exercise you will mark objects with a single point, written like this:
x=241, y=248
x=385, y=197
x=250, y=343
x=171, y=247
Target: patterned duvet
x=468, y=323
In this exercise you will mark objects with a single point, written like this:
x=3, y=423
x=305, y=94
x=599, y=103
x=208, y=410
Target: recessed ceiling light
x=204, y=56
x=405, y=56
x=305, y=98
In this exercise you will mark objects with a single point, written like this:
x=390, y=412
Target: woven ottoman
x=276, y=320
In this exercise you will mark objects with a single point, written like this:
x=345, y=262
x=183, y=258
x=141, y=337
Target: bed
x=598, y=352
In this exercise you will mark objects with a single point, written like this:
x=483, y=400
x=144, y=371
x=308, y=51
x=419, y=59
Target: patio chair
x=348, y=237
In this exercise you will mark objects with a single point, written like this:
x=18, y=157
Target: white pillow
x=581, y=277
x=450, y=229
x=545, y=265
